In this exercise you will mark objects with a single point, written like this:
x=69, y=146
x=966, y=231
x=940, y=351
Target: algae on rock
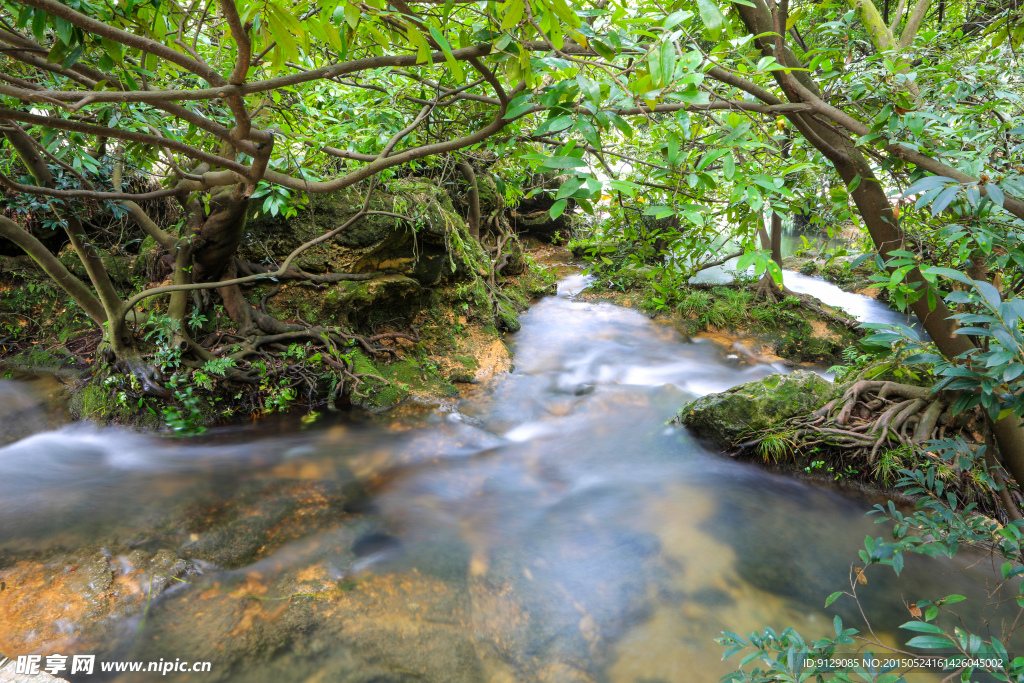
x=727, y=417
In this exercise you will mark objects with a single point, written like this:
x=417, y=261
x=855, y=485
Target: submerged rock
x=755, y=406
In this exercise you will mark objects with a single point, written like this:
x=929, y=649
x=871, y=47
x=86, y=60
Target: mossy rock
x=507, y=319
x=99, y=403
x=434, y=246
x=727, y=417
x=799, y=343
x=405, y=378
x=490, y=198
x=144, y=264
x=363, y=301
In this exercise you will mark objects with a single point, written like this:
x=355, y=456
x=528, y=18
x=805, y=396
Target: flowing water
x=551, y=527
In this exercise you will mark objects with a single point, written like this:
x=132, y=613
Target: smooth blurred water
x=553, y=527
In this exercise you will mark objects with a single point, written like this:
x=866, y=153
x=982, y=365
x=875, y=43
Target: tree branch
x=90, y=25
x=52, y=266
x=127, y=135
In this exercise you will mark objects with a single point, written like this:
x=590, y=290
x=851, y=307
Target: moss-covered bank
x=425, y=317
x=860, y=432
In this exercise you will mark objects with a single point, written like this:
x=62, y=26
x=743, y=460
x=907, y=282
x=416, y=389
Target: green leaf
x=832, y=598
x=921, y=627
x=950, y=273
x=929, y=642
x=622, y=125
x=559, y=123
x=518, y=107
x=728, y=166
x=58, y=53
x=590, y=88
x=994, y=193
x=624, y=186
x=563, y=163
x=926, y=184
x=39, y=25
x=855, y=183
x=513, y=15
x=449, y=59
x=70, y=60
x=659, y=211
x=711, y=16
x=557, y=208
x=351, y=15
x=668, y=62
x=569, y=187
x=65, y=30
x=944, y=199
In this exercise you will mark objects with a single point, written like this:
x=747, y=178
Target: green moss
x=99, y=403
x=404, y=378
x=432, y=246
x=755, y=406
x=468, y=362
x=507, y=319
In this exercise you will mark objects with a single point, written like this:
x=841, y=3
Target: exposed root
x=872, y=417
x=145, y=373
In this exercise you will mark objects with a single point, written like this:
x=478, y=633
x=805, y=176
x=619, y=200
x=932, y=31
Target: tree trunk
x=878, y=217
x=776, y=239
x=221, y=232
x=473, y=198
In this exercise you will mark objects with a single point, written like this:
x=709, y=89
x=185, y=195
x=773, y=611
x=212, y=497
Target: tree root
x=874, y=415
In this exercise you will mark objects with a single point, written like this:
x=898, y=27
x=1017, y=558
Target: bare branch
x=335, y=70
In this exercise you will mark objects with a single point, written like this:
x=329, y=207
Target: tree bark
x=221, y=232
x=776, y=239
x=474, y=198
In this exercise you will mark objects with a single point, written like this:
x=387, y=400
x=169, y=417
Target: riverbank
x=796, y=329
x=406, y=341
x=856, y=433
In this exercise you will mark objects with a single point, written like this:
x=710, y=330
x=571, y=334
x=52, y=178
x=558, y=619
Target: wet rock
x=583, y=389
x=533, y=217
x=305, y=624
x=374, y=543
x=263, y=515
x=726, y=417
x=77, y=597
x=358, y=301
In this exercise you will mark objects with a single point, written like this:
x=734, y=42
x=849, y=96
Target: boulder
x=432, y=247
x=729, y=416
x=532, y=216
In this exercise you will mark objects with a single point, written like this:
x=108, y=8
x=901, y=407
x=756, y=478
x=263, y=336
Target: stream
x=549, y=527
